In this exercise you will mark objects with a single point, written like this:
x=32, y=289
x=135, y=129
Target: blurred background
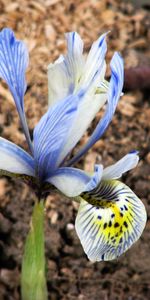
x=42, y=24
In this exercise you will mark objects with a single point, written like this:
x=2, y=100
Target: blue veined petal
x=13, y=64
x=72, y=182
x=65, y=73
x=125, y=164
x=115, y=90
x=74, y=60
x=74, y=45
x=51, y=133
x=112, y=223
x=14, y=159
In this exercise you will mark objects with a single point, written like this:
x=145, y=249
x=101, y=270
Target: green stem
x=33, y=279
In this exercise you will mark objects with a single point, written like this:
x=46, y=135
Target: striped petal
x=72, y=182
x=125, y=164
x=52, y=131
x=110, y=222
x=14, y=159
x=115, y=90
x=13, y=64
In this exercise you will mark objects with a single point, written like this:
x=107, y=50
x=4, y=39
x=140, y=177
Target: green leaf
x=33, y=280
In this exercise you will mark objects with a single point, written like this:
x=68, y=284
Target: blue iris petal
x=115, y=89
x=52, y=131
x=13, y=63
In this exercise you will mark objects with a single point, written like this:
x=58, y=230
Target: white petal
x=125, y=164
x=64, y=74
x=14, y=159
x=112, y=224
x=69, y=73
x=58, y=81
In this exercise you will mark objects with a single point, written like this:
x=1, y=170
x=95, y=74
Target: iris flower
x=110, y=217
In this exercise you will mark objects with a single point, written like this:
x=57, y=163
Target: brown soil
x=70, y=275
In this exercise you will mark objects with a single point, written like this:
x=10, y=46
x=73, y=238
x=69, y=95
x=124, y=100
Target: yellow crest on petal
x=111, y=221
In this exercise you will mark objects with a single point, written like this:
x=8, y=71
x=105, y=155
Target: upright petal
x=125, y=164
x=13, y=64
x=86, y=112
x=52, y=131
x=111, y=222
x=114, y=92
x=58, y=81
x=72, y=72
x=74, y=59
x=65, y=73
x=95, y=62
x=14, y=159
x=72, y=182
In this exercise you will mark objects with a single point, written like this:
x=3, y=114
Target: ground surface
x=70, y=275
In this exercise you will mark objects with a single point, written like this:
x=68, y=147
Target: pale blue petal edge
x=126, y=163
x=17, y=159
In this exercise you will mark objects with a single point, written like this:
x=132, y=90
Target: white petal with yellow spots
x=110, y=220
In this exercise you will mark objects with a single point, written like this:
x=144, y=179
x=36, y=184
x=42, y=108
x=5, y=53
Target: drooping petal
x=114, y=92
x=13, y=64
x=125, y=164
x=64, y=74
x=14, y=159
x=113, y=221
x=52, y=131
x=72, y=182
